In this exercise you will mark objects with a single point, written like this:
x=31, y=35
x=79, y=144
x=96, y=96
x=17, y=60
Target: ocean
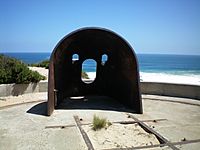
x=29, y=58
x=153, y=67
x=172, y=64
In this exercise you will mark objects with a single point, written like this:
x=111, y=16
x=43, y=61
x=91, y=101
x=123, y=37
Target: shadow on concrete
x=39, y=109
x=93, y=103
x=19, y=89
x=83, y=102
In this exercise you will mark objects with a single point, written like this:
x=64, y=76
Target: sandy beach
x=163, y=77
x=145, y=77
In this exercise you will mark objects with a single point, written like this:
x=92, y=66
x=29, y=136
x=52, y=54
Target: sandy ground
x=120, y=136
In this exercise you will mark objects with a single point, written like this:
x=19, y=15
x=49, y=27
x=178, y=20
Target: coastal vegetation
x=15, y=71
x=44, y=64
x=84, y=75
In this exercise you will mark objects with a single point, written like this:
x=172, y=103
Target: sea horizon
x=3, y=52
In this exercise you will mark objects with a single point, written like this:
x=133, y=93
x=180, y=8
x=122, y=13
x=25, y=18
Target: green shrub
x=14, y=71
x=98, y=123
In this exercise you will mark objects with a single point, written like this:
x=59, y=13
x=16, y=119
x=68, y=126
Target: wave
x=171, y=78
x=193, y=79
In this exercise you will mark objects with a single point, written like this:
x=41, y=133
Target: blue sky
x=150, y=26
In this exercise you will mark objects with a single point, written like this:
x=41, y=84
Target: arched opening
x=104, y=59
x=75, y=57
x=88, y=73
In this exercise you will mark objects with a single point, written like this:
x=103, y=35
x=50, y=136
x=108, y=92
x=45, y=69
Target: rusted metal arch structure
x=117, y=78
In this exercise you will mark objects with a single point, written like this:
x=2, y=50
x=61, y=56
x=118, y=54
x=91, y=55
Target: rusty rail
x=150, y=130
x=120, y=122
x=157, y=145
x=83, y=133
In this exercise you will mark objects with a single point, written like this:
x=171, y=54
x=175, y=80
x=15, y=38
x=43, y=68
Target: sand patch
x=120, y=136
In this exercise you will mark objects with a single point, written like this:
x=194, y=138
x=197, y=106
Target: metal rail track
x=84, y=134
x=119, y=122
x=150, y=130
x=157, y=145
x=163, y=140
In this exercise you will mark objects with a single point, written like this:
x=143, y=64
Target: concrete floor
x=24, y=126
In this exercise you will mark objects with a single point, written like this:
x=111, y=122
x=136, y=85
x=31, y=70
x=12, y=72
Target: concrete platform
x=25, y=126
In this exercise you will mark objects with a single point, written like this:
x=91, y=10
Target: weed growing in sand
x=99, y=123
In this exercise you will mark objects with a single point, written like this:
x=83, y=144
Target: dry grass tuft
x=98, y=123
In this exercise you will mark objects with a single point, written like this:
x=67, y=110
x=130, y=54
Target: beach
x=145, y=77
x=164, y=78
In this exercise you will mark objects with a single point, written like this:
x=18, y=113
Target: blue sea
x=149, y=63
x=171, y=64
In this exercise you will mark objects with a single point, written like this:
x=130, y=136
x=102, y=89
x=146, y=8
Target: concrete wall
x=170, y=89
x=18, y=89
x=167, y=89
